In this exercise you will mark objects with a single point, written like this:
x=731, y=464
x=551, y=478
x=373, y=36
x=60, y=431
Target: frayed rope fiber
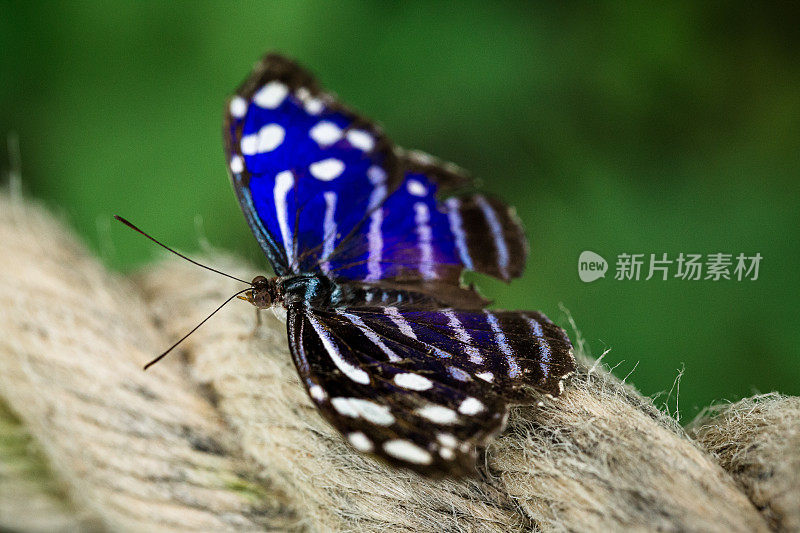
x=220, y=436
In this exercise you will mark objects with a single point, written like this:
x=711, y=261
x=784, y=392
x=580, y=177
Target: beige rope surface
x=31, y=499
x=221, y=435
x=139, y=451
x=758, y=441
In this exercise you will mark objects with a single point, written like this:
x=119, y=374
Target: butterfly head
x=264, y=293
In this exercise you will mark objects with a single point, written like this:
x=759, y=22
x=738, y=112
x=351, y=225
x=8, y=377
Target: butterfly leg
x=257, y=325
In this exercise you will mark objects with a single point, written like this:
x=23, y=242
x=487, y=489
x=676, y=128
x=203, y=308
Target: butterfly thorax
x=295, y=290
x=304, y=290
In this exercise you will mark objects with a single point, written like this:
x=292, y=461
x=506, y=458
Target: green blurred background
x=613, y=128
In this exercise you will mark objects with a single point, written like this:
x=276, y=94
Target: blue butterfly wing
x=429, y=229
x=306, y=170
x=323, y=189
x=424, y=388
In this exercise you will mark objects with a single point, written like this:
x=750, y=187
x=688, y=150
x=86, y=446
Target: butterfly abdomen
x=321, y=292
x=377, y=295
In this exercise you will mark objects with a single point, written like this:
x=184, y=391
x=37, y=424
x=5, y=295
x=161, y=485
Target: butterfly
x=368, y=242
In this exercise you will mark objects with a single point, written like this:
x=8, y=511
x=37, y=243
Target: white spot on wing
x=325, y=133
x=471, y=406
x=317, y=392
x=376, y=175
x=407, y=451
x=267, y=139
x=416, y=188
x=354, y=373
x=327, y=169
x=343, y=407
x=447, y=454
x=447, y=440
x=413, y=382
x=238, y=107
x=360, y=441
x=314, y=106
x=369, y=411
x=361, y=140
x=237, y=164
x=284, y=182
x=438, y=414
x=485, y=376
x=271, y=95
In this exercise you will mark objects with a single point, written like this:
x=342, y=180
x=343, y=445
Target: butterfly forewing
x=422, y=389
x=305, y=168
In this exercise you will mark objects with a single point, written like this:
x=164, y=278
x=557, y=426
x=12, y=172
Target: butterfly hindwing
x=514, y=352
x=407, y=385
x=403, y=412
x=429, y=229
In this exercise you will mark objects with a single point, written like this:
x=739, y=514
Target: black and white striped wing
x=420, y=388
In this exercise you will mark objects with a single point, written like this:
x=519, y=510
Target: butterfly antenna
x=164, y=354
x=133, y=227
